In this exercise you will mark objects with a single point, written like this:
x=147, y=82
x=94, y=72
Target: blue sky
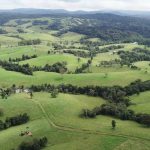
x=78, y=4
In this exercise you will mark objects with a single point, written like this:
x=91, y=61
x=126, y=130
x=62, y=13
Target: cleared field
x=17, y=52
x=144, y=65
x=42, y=36
x=72, y=61
x=69, y=106
x=63, y=111
x=8, y=41
x=71, y=36
x=114, y=68
x=59, y=118
x=104, y=57
x=8, y=78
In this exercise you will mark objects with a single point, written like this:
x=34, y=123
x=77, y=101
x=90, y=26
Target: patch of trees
x=14, y=121
x=57, y=67
x=136, y=87
x=117, y=62
x=86, y=113
x=83, y=67
x=78, y=53
x=29, y=42
x=61, y=32
x=94, y=46
x=2, y=31
x=40, y=22
x=25, y=69
x=118, y=110
x=109, y=48
x=58, y=46
x=56, y=25
x=54, y=93
x=20, y=31
x=110, y=63
x=4, y=93
x=36, y=144
x=135, y=55
x=24, y=57
x=88, y=43
x=143, y=119
x=134, y=67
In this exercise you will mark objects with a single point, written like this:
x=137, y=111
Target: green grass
x=141, y=103
x=7, y=78
x=17, y=52
x=114, y=68
x=58, y=118
x=42, y=36
x=9, y=41
x=104, y=57
x=72, y=61
x=69, y=106
x=71, y=36
x=64, y=111
x=144, y=65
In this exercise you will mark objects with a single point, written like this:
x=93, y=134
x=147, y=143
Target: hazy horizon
x=73, y=5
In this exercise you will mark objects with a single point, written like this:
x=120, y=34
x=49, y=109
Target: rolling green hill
x=99, y=51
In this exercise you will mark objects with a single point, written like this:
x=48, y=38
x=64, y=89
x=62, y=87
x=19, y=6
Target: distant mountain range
x=62, y=11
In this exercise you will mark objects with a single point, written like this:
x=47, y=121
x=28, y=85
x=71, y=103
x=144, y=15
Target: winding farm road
x=65, y=128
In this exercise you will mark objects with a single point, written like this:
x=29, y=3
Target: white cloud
x=77, y=4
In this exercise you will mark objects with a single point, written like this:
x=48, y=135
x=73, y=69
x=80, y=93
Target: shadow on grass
x=59, y=79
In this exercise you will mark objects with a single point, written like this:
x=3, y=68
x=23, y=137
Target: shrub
x=1, y=112
x=36, y=144
x=54, y=93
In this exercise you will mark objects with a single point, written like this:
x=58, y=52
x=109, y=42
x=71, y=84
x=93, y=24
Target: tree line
x=115, y=94
x=137, y=54
x=40, y=22
x=29, y=42
x=118, y=110
x=14, y=121
x=25, y=69
x=108, y=48
x=78, y=53
x=24, y=57
x=28, y=70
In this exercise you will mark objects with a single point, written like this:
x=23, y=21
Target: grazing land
x=72, y=77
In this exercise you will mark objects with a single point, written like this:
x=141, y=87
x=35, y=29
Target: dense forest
x=108, y=27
